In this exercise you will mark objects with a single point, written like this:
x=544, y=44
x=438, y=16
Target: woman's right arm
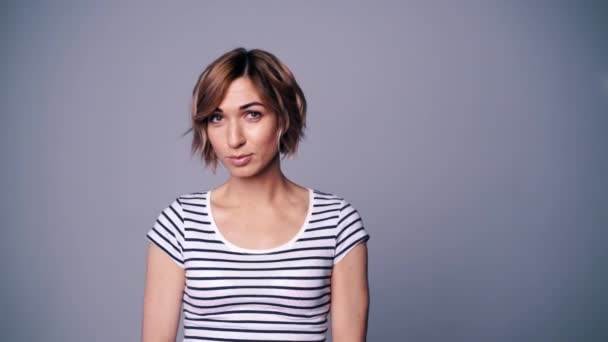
x=165, y=282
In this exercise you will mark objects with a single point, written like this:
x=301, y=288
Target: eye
x=255, y=114
x=210, y=117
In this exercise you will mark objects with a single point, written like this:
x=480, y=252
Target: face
x=243, y=126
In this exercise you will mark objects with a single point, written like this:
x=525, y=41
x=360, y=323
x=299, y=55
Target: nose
x=236, y=138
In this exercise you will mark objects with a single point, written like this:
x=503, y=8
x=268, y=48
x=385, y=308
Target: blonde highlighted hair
x=276, y=85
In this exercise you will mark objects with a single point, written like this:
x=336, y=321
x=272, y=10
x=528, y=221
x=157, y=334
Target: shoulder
x=337, y=197
x=348, y=229
x=342, y=207
x=192, y=195
x=189, y=198
x=319, y=194
x=182, y=203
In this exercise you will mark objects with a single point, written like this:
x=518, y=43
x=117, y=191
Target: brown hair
x=275, y=83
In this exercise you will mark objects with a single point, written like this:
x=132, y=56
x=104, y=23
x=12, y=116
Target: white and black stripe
x=238, y=294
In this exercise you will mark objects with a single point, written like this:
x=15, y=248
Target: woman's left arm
x=350, y=297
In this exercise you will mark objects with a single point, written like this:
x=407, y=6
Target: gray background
x=471, y=136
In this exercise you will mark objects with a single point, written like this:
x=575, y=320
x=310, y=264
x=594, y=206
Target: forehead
x=240, y=91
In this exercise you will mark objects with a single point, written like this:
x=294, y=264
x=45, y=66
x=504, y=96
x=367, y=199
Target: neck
x=267, y=187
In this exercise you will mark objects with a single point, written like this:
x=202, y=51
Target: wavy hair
x=276, y=85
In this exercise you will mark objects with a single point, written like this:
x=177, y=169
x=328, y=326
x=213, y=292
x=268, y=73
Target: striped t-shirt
x=238, y=294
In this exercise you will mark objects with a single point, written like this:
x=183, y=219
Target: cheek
x=265, y=134
x=270, y=138
x=214, y=139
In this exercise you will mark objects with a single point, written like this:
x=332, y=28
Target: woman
x=259, y=258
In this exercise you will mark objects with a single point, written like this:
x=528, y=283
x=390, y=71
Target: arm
x=165, y=282
x=350, y=297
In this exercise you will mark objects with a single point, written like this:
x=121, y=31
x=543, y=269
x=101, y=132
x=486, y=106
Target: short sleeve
x=350, y=231
x=168, y=232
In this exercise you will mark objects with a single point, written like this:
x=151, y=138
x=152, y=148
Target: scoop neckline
x=234, y=247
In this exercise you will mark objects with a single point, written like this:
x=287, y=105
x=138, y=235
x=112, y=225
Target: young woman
x=258, y=258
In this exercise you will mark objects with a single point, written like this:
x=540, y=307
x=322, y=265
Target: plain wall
x=471, y=137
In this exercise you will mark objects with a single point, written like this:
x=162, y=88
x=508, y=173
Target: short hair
x=276, y=85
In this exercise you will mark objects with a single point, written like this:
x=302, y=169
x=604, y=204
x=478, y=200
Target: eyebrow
x=245, y=106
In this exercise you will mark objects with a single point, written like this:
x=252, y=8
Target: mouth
x=240, y=156
x=240, y=160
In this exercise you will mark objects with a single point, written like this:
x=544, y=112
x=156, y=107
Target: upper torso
x=235, y=292
x=273, y=225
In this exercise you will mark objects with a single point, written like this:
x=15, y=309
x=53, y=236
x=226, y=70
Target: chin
x=243, y=172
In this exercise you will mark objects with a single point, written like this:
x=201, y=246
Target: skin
x=243, y=125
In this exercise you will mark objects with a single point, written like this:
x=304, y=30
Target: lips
x=240, y=156
x=240, y=160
